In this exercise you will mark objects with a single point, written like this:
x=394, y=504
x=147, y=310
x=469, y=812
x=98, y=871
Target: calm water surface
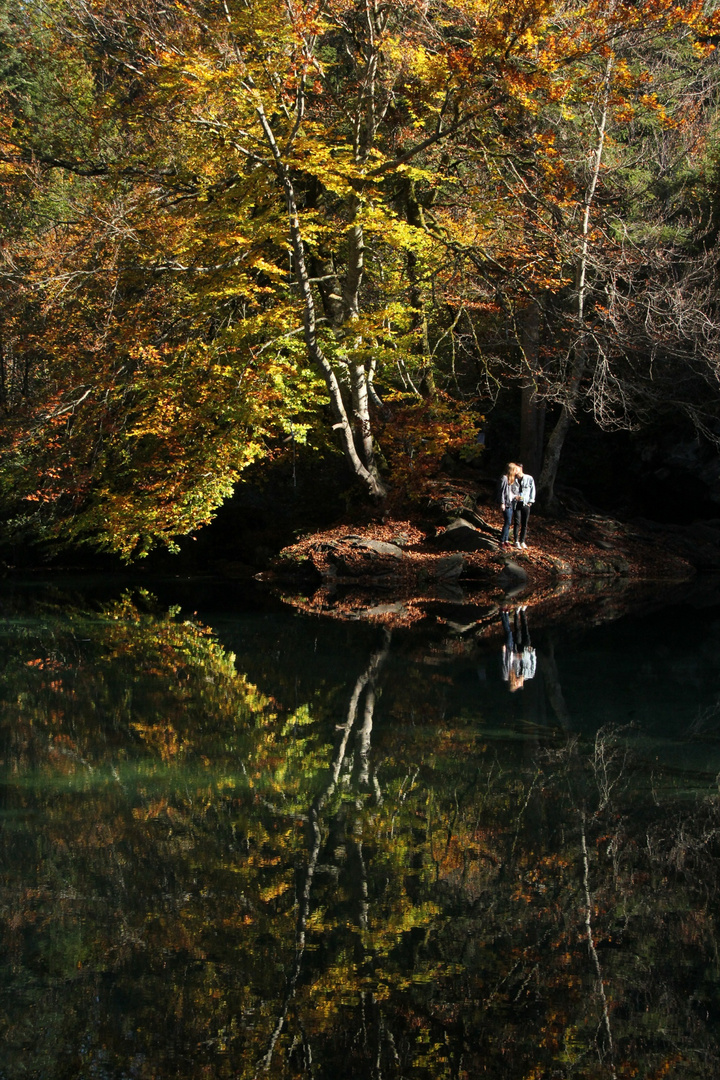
x=249, y=843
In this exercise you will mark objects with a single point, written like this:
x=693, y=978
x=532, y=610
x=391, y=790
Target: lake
x=240, y=841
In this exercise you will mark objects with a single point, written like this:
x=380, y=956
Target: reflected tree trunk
x=553, y=686
x=607, y=1051
x=365, y=682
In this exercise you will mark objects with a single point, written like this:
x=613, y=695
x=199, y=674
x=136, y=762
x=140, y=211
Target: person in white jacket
x=523, y=502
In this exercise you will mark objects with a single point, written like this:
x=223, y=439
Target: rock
x=512, y=573
x=382, y=581
x=286, y=568
x=387, y=609
x=561, y=567
x=379, y=547
x=470, y=514
x=460, y=535
x=449, y=568
x=368, y=565
x=450, y=592
x=459, y=613
x=362, y=558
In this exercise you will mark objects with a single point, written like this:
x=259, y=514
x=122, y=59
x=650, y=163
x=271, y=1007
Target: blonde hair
x=515, y=681
x=511, y=470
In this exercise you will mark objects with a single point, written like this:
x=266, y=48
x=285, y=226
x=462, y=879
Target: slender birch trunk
x=532, y=408
x=546, y=484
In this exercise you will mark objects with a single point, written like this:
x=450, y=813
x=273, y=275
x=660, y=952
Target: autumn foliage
x=230, y=224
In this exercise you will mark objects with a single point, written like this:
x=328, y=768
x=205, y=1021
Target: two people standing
x=516, y=494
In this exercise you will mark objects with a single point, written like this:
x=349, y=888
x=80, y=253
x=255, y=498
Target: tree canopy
x=231, y=224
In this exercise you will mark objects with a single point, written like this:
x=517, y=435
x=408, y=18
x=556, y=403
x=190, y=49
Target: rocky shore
x=398, y=571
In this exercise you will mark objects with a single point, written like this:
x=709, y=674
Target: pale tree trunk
x=352, y=419
x=532, y=408
x=546, y=485
x=359, y=383
x=607, y=1052
x=356, y=440
x=365, y=683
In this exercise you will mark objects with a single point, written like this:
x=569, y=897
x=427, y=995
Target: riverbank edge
x=399, y=570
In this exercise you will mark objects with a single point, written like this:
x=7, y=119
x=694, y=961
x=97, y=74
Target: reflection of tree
x=553, y=686
x=365, y=684
x=600, y=984
x=201, y=880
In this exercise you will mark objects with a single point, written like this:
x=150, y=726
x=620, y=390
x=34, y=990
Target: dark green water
x=247, y=843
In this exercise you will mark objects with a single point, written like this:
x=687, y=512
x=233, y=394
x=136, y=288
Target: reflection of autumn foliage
x=247, y=871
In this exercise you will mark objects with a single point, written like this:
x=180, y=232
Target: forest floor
x=397, y=571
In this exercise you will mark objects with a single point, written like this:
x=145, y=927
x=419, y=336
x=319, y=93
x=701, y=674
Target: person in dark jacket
x=521, y=507
x=508, y=492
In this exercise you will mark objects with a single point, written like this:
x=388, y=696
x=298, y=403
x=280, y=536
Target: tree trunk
x=360, y=459
x=532, y=409
x=546, y=484
x=532, y=430
x=546, y=487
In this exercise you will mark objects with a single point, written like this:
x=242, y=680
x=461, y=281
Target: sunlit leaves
x=153, y=341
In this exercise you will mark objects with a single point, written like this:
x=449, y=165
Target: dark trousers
x=507, y=522
x=517, y=635
x=522, y=634
x=520, y=522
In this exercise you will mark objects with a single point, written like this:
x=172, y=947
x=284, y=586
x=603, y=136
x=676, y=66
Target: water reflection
x=222, y=857
x=519, y=661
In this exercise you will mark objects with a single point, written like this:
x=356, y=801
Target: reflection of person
x=525, y=498
x=508, y=492
x=519, y=661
